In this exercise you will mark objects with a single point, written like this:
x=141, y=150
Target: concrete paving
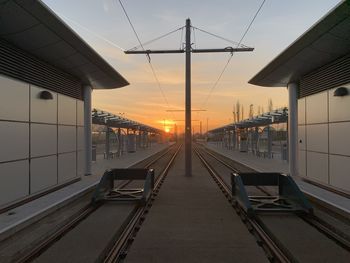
x=192, y=221
x=327, y=198
x=24, y=215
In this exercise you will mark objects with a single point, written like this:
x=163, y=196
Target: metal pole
x=119, y=142
x=107, y=148
x=293, y=128
x=188, y=137
x=87, y=129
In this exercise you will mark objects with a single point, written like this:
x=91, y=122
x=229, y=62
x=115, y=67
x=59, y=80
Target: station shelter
x=47, y=73
x=316, y=71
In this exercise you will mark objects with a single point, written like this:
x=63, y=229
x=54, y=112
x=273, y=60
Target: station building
x=47, y=73
x=316, y=71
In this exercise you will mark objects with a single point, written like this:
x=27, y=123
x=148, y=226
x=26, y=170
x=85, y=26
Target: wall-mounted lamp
x=340, y=92
x=45, y=95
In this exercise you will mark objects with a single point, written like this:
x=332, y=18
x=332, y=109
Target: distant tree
x=238, y=112
x=270, y=105
x=234, y=113
x=251, y=111
x=242, y=118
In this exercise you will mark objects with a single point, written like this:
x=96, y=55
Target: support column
x=107, y=147
x=256, y=139
x=293, y=128
x=188, y=130
x=120, y=145
x=87, y=129
x=269, y=142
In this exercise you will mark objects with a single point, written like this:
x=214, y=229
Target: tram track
x=74, y=220
x=224, y=183
x=120, y=248
x=275, y=252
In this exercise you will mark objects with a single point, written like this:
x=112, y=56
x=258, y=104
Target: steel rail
x=234, y=169
x=275, y=251
x=76, y=219
x=120, y=248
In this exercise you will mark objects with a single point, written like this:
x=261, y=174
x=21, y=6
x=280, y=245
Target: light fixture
x=45, y=95
x=340, y=92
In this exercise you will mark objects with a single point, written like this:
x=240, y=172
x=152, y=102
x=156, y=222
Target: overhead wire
x=91, y=32
x=157, y=38
x=231, y=56
x=217, y=36
x=147, y=55
x=181, y=38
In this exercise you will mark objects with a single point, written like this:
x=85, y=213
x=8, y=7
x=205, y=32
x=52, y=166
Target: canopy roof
x=34, y=28
x=268, y=118
x=323, y=43
x=116, y=121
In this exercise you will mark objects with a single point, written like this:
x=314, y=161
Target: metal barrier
x=106, y=190
x=289, y=198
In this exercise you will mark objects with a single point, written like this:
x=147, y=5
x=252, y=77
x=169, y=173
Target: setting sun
x=167, y=130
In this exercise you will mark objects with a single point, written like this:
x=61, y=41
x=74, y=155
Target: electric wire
x=194, y=38
x=157, y=38
x=181, y=38
x=147, y=56
x=91, y=32
x=231, y=56
x=217, y=36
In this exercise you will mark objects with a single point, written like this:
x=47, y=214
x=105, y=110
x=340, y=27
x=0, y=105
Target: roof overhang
x=33, y=27
x=323, y=43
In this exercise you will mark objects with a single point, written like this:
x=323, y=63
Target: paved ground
x=191, y=221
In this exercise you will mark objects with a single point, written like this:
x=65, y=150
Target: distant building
x=316, y=71
x=47, y=73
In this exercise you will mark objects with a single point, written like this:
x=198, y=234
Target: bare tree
x=234, y=113
x=270, y=105
x=242, y=113
x=251, y=111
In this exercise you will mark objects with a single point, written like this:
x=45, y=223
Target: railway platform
x=22, y=216
x=327, y=198
x=191, y=221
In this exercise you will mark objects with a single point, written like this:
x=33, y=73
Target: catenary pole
x=188, y=50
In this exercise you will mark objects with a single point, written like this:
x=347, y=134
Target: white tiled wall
x=43, y=173
x=66, y=167
x=14, y=183
x=325, y=155
x=14, y=141
x=42, y=141
x=302, y=163
x=302, y=137
x=339, y=107
x=80, y=113
x=14, y=99
x=67, y=108
x=42, y=110
x=316, y=108
x=317, y=166
x=339, y=138
x=80, y=138
x=317, y=138
x=339, y=167
x=66, y=138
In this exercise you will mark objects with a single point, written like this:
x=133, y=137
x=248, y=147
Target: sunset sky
x=103, y=25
